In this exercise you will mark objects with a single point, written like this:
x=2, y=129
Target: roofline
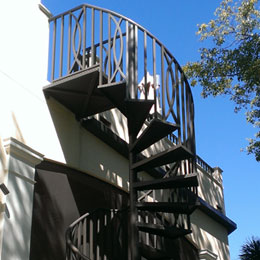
x=217, y=215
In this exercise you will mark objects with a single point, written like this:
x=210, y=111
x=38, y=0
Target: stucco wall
x=211, y=188
x=21, y=161
x=209, y=235
x=86, y=152
x=23, y=72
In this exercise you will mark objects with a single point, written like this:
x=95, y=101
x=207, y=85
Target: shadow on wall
x=83, y=150
x=210, y=191
x=61, y=195
x=209, y=235
x=117, y=122
x=17, y=227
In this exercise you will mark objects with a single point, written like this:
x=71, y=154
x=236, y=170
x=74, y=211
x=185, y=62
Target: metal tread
x=135, y=110
x=161, y=230
x=156, y=130
x=170, y=207
x=180, y=181
x=175, y=153
x=115, y=92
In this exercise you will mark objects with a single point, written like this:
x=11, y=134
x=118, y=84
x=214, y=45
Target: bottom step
x=152, y=253
x=165, y=231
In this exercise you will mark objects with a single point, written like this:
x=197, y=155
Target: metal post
x=134, y=239
x=131, y=62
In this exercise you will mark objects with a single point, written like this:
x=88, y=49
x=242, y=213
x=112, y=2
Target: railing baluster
x=69, y=45
x=131, y=58
x=92, y=36
x=109, y=48
x=106, y=245
x=136, y=61
x=183, y=110
x=61, y=45
x=154, y=77
x=145, y=64
x=127, y=58
x=188, y=119
x=84, y=232
x=84, y=36
x=162, y=82
x=178, y=102
x=79, y=235
x=53, y=50
x=91, y=242
x=101, y=48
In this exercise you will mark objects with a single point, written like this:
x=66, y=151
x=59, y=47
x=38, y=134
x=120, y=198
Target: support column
x=134, y=239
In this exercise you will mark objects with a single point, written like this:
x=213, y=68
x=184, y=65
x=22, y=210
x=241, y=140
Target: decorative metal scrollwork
x=118, y=61
x=77, y=58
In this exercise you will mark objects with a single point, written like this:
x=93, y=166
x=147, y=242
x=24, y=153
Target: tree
x=231, y=66
x=251, y=250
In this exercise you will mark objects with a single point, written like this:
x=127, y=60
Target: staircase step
x=155, y=131
x=136, y=110
x=152, y=253
x=175, y=153
x=115, y=92
x=161, y=230
x=78, y=93
x=180, y=181
x=170, y=207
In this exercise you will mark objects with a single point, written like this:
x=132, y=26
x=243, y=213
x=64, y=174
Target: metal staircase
x=98, y=59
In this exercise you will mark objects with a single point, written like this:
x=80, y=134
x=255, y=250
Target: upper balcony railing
x=90, y=37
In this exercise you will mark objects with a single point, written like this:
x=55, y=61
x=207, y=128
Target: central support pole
x=134, y=238
x=132, y=95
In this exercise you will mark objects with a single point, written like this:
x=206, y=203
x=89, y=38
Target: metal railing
x=99, y=235
x=204, y=165
x=103, y=234
x=90, y=37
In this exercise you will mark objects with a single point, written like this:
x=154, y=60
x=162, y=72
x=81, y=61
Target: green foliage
x=250, y=250
x=232, y=66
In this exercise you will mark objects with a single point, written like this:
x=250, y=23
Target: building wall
x=53, y=131
x=17, y=219
x=208, y=235
x=23, y=73
x=211, y=188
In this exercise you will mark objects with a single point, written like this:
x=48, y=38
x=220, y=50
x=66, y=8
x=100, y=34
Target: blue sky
x=220, y=133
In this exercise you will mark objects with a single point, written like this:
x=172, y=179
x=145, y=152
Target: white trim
x=14, y=147
x=29, y=180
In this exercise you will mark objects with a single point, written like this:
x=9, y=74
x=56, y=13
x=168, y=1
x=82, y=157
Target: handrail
x=124, y=51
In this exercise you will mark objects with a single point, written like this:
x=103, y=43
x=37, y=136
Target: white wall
x=23, y=72
x=21, y=161
x=209, y=235
x=211, y=188
x=86, y=152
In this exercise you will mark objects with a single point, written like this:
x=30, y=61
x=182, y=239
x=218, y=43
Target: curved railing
x=90, y=37
x=101, y=234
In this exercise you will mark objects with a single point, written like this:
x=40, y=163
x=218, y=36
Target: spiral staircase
x=101, y=60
